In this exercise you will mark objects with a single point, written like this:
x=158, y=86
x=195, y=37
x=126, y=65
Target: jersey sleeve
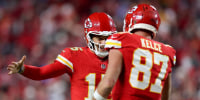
x=65, y=59
x=48, y=71
x=117, y=41
x=113, y=42
x=61, y=65
x=172, y=54
x=174, y=60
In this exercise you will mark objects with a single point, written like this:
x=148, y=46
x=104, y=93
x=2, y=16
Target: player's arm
x=36, y=73
x=44, y=72
x=167, y=89
x=112, y=73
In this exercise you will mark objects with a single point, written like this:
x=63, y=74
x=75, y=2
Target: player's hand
x=16, y=67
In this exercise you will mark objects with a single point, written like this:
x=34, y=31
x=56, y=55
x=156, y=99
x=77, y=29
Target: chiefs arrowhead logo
x=88, y=23
x=132, y=9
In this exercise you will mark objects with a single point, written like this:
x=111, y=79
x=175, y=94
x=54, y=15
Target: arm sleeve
x=113, y=42
x=48, y=71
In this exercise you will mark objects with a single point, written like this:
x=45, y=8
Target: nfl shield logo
x=103, y=66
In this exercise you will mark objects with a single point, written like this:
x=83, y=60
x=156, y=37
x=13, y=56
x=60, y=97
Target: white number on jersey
x=144, y=69
x=90, y=78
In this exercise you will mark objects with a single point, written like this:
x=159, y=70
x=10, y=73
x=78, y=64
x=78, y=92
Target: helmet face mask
x=97, y=49
x=98, y=24
x=142, y=16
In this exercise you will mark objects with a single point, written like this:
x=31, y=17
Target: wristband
x=97, y=96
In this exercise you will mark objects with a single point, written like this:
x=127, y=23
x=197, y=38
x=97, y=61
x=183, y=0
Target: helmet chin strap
x=101, y=54
x=96, y=50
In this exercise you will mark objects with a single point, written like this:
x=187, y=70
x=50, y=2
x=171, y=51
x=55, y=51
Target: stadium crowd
x=40, y=29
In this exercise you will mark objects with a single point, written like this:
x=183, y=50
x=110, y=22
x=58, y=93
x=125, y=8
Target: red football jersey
x=84, y=67
x=146, y=65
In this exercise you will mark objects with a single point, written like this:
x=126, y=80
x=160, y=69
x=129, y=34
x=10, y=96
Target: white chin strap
x=101, y=54
x=97, y=51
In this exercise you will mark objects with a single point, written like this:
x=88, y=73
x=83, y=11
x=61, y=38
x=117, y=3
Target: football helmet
x=142, y=16
x=99, y=24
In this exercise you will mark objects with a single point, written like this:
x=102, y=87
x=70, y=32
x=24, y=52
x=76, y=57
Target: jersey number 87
x=145, y=69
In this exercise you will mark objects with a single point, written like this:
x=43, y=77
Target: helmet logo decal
x=88, y=23
x=132, y=10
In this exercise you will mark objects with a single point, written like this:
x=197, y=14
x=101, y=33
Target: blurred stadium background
x=40, y=29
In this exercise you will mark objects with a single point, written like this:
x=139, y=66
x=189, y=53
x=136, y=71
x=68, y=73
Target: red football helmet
x=142, y=16
x=98, y=24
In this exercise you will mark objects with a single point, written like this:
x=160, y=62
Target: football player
x=139, y=67
x=85, y=65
